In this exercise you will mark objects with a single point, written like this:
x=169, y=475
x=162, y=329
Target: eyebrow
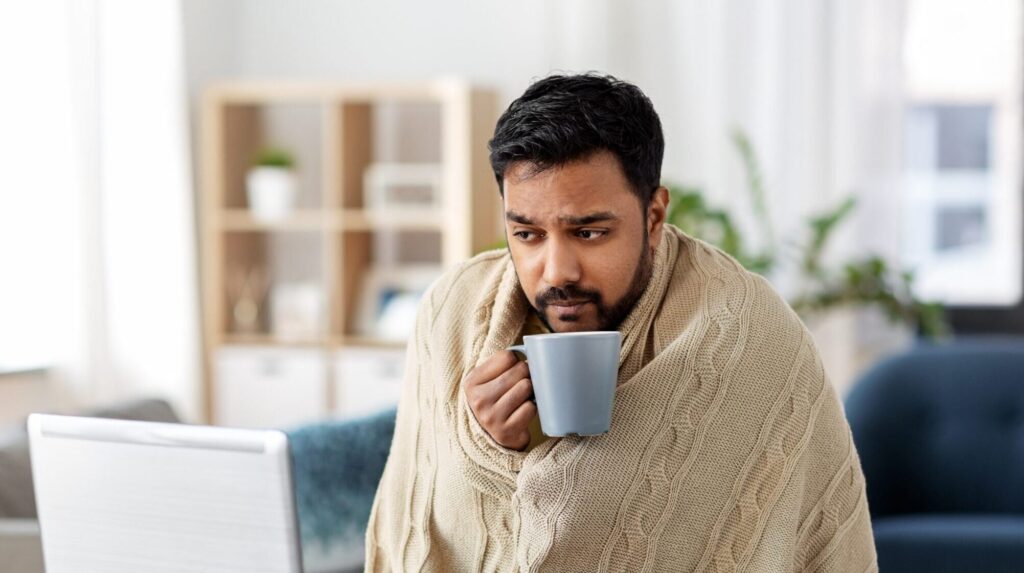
x=565, y=219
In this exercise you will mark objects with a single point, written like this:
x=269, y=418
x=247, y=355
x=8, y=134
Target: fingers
x=511, y=400
x=515, y=433
x=498, y=392
x=522, y=416
x=493, y=367
x=502, y=384
x=482, y=395
x=491, y=391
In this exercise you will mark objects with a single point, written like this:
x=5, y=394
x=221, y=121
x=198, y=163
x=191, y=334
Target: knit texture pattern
x=728, y=449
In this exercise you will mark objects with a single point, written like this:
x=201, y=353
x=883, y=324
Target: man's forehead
x=580, y=192
x=562, y=218
x=565, y=202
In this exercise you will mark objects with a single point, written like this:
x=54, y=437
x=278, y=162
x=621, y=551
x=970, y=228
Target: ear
x=656, y=213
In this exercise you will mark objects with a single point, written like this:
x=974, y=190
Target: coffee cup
x=574, y=376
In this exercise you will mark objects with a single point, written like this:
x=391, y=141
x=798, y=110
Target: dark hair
x=563, y=118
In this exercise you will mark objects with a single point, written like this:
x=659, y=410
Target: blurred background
x=233, y=206
x=138, y=259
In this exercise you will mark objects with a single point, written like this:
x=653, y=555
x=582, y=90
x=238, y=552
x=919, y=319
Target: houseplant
x=864, y=282
x=271, y=185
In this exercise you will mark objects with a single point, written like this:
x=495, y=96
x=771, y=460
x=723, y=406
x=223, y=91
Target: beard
x=609, y=316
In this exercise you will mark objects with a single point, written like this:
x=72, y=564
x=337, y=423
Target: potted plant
x=866, y=281
x=858, y=310
x=271, y=185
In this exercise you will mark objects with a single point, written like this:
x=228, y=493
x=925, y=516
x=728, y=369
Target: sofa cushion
x=941, y=429
x=337, y=465
x=950, y=543
x=20, y=546
x=17, y=496
x=17, y=500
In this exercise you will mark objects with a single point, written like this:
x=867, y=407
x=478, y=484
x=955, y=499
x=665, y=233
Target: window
x=962, y=146
x=39, y=204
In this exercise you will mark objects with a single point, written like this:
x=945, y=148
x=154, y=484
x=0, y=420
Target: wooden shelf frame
x=339, y=221
x=232, y=132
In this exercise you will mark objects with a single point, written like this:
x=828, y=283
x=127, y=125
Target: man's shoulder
x=742, y=316
x=726, y=278
x=469, y=279
x=714, y=283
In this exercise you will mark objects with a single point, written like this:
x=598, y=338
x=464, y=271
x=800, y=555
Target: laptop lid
x=118, y=496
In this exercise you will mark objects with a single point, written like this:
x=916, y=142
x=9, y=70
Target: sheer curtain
x=97, y=249
x=816, y=86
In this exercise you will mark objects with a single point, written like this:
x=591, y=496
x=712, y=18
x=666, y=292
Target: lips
x=568, y=308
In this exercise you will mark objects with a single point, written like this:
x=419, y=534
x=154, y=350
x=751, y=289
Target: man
x=728, y=449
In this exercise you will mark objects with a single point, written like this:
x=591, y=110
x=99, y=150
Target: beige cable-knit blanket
x=728, y=449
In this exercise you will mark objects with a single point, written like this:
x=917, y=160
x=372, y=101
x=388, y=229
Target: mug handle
x=521, y=349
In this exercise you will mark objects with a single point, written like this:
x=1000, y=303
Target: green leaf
x=821, y=228
x=274, y=157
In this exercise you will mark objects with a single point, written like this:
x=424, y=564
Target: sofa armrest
x=21, y=546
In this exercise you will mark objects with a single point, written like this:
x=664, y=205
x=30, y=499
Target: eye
x=524, y=236
x=591, y=234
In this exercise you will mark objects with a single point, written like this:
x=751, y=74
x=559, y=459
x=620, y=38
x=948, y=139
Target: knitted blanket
x=728, y=449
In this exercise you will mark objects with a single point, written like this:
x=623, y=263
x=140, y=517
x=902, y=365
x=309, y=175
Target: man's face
x=580, y=241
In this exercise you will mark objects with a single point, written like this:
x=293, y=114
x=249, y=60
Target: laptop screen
x=121, y=496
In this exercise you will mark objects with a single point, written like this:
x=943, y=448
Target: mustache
x=567, y=293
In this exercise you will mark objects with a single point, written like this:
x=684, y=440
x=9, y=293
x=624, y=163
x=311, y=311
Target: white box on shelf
x=409, y=186
x=269, y=387
x=296, y=310
x=367, y=379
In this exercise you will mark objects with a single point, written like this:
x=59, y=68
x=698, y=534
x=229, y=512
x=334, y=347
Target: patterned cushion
x=337, y=466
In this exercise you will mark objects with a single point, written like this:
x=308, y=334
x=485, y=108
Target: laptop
x=118, y=496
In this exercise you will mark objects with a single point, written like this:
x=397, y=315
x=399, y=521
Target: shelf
x=344, y=220
x=408, y=220
x=263, y=92
x=263, y=339
x=352, y=248
x=354, y=340
x=303, y=220
x=342, y=341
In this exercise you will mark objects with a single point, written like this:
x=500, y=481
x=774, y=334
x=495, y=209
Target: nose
x=561, y=265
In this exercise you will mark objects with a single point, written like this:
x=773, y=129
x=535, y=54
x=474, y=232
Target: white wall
x=501, y=44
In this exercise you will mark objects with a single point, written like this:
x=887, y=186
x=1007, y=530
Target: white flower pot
x=271, y=192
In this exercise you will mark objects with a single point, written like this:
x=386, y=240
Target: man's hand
x=498, y=392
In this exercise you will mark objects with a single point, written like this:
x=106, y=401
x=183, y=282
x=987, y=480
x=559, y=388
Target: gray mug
x=574, y=375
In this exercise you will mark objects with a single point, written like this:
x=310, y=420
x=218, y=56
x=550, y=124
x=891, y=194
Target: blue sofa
x=940, y=434
x=336, y=465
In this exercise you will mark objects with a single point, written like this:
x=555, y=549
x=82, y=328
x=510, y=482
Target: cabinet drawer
x=269, y=387
x=367, y=380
